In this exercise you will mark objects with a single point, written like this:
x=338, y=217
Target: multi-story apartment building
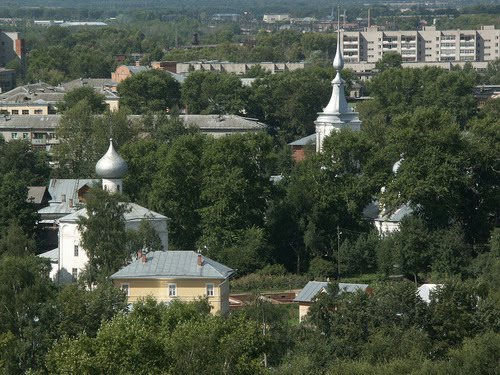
x=11, y=47
x=427, y=45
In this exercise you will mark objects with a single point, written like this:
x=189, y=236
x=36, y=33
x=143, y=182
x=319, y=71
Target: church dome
x=111, y=165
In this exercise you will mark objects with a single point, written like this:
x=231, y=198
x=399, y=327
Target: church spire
x=337, y=114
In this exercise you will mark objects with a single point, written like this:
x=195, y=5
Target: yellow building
x=171, y=275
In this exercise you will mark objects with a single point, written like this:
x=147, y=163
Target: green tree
x=95, y=100
x=217, y=93
x=24, y=288
x=103, y=233
x=176, y=188
x=152, y=90
x=235, y=184
x=389, y=60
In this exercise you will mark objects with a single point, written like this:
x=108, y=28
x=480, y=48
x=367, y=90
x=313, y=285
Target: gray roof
x=312, y=288
x=173, y=264
x=309, y=140
x=43, y=93
x=137, y=69
x=134, y=213
x=53, y=255
x=39, y=122
x=36, y=193
x=206, y=123
x=68, y=187
x=395, y=215
x=234, y=122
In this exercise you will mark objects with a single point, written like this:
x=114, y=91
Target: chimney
x=200, y=260
x=144, y=259
x=369, y=19
x=139, y=254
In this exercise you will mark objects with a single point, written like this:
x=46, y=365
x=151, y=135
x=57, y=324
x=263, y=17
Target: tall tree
x=103, y=234
x=152, y=90
x=95, y=100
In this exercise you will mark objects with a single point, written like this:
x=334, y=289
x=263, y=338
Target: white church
x=69, y=258
x=337, y=115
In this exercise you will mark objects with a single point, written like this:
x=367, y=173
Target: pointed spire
x=338, y=61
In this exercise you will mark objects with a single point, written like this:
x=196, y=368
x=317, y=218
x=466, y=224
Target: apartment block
x=11, y=47
x=427, y=45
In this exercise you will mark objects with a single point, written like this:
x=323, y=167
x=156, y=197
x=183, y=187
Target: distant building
x=427, y=45
x=7, y=79
x=176, y=275
x=226, y=17
x=124, y=71
x=273, y=18
x=42, y=98
x=40, y=130
x=300, y=147
x=236, y=68
x=12, y=47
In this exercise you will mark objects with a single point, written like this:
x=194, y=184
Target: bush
x=256, y=282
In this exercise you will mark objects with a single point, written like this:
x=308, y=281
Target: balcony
x=42, y=141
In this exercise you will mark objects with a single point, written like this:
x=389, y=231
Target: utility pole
x=338, y=252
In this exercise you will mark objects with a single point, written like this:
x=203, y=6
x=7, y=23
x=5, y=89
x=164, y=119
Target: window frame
x=125, y=287
x=174, y=285
x=212, y=285
x=76, y=250
x=74, y=273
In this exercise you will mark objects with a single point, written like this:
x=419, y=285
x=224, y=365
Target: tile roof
x=173, y=264
x=312, y=288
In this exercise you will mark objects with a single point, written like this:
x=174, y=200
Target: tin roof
x=53, y=255
x=309, y=140
x=312, y=288
x=134, y=213
x=173, y=264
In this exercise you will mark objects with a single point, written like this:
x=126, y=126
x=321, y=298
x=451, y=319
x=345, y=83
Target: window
x=26, y=111
x=172, y=290
x=125, y=289
x=13, y=135
x=26, y=135
x=38, y=112
x=74, y=273
x=76, y=251
x=210, y=290
x=15, y=111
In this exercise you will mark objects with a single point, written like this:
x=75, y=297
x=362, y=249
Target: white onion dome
x=111, y=165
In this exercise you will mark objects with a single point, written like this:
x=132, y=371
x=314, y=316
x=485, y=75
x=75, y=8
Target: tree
x=14, y=242
x=95, y=100
x=288, y=103
x=389, y=60
x=103, y=234
x=24, y=288
x=152, y=90
x=176, y=188
x=79, y=310
x=84, y=138
x=235, y=183
x=210, y=92
x=145, y=238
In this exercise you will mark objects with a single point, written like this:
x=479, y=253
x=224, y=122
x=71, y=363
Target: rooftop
x=174, y=264
x=134, y=213
x=312, y=288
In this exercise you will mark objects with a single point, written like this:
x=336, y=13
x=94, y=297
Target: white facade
x=73, y=258
x=337, y=114
x=427, y=45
